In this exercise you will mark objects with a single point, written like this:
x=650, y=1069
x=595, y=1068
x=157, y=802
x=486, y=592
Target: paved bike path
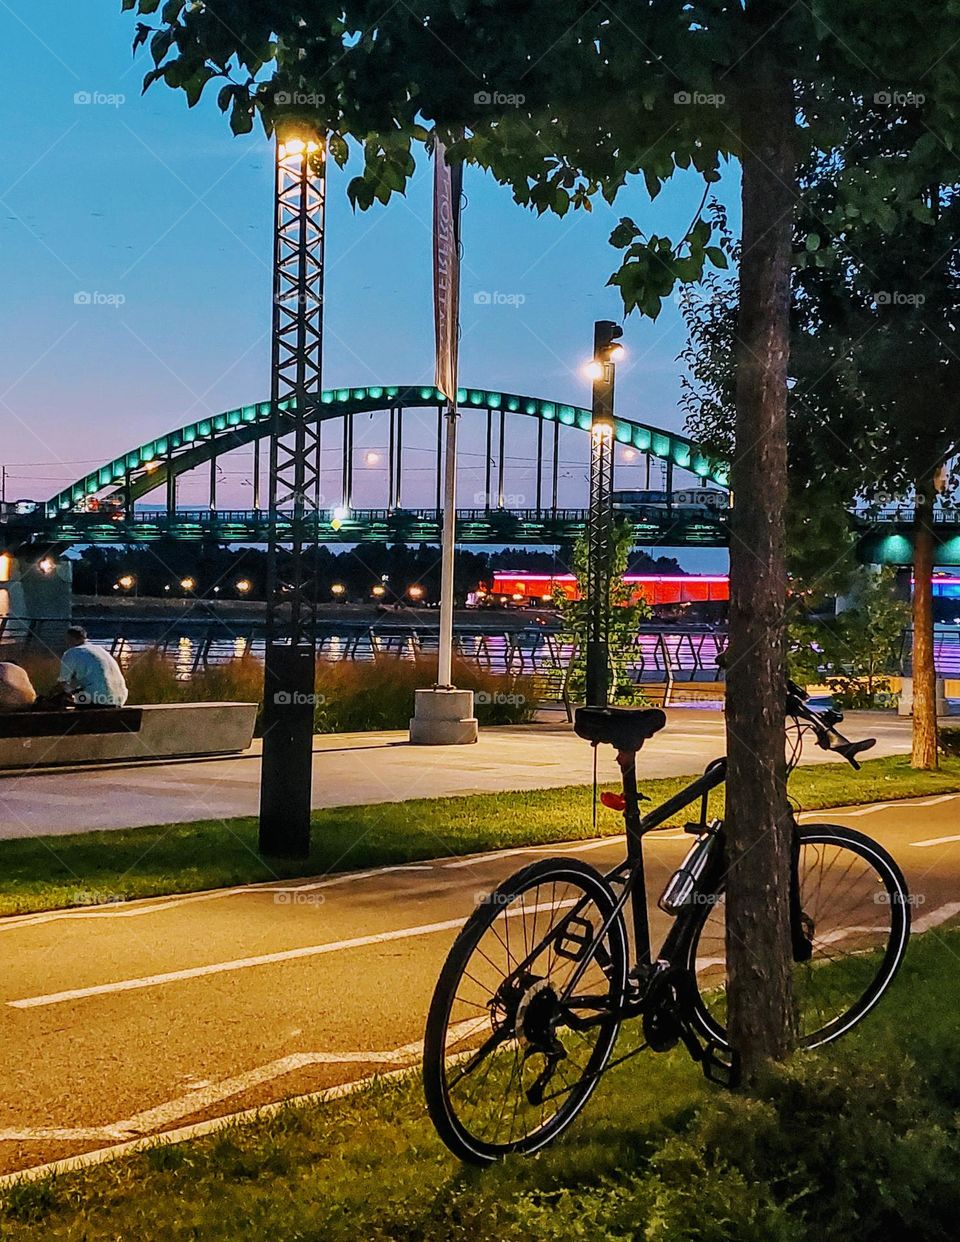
x=124, y=1021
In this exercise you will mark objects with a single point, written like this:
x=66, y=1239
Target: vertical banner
x=447, y=185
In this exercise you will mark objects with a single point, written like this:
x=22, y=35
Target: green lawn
x=51, y=872
x=855, y=1142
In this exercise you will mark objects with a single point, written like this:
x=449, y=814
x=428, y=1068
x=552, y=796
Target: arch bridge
x=101, y=507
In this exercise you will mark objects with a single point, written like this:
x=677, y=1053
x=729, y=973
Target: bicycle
x=531, y=998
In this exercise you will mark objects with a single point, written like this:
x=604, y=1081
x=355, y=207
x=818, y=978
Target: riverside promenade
x=359, y=768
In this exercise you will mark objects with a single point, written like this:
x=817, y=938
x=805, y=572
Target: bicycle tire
x=456, y=1131
x=890, y=893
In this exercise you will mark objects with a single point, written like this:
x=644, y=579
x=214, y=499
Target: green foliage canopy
x=560, y=101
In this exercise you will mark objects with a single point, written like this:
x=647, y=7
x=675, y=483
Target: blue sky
x=166, y=216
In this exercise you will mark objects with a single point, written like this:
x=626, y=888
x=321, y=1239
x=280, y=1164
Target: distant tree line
x=212, y=571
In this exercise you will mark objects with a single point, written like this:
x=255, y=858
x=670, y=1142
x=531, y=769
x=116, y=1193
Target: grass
x=857, y=1141
x=52, y=872
x=352, y=695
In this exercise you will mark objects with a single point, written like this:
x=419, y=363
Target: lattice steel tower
x=295, y=493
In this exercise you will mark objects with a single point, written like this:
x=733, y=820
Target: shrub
x=354, y=697
x=833, y=1149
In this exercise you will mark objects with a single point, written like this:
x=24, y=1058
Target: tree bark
x=759, y=997
x=925, y=740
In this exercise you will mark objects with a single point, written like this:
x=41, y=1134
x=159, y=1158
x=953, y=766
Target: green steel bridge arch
x=147, y=467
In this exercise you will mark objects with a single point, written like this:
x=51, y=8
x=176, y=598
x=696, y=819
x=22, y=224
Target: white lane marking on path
x=903, y=804
x=198, y=1100
x=265, y=959
x=924, y=923
x=935, y=917
x=249, y=1116
x=241, y=963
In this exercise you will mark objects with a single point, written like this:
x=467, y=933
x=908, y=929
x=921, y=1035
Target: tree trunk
x=924, y=671
x=759, y=998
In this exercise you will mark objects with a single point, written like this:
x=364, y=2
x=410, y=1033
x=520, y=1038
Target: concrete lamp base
x=443, y=717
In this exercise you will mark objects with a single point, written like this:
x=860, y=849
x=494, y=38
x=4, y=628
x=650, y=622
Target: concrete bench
x=101, y=735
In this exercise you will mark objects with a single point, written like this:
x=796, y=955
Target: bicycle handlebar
x=824, y=724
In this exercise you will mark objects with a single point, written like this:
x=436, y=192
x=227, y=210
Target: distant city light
x=371, y=458
x=47, y=565
x=379, y=590
x=338, y=588
x=416, y=592
x=593, y=370
x=244, y=585
x=127, y=582
x=187, y=584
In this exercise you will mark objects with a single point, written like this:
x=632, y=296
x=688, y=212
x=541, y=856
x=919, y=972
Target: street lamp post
x=286, y=768
x=600, y=522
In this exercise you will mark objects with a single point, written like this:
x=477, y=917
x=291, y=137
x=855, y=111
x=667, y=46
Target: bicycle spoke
x=513, y=1066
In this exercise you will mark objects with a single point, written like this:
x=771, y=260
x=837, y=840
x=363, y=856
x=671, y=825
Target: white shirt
x=93, y=675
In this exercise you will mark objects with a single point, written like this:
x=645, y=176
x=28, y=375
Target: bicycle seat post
x=627, y=761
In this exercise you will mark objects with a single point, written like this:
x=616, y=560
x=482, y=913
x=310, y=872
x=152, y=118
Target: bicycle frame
x=630, y=874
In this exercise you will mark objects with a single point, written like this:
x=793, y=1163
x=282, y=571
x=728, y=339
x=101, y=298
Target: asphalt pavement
x=125, y=1021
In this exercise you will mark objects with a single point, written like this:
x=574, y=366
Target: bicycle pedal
x=717, y=1069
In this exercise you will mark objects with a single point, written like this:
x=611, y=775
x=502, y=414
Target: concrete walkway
x=350, y=769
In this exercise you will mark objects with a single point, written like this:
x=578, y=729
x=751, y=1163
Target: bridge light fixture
x=338, y=516
x=593, y=370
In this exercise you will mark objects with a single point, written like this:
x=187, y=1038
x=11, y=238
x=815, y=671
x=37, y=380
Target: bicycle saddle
x=626, y=728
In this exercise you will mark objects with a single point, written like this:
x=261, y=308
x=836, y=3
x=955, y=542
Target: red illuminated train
x=519, y=589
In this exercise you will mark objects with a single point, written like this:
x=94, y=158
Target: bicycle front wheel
x=855, y=916
x=526, y=1011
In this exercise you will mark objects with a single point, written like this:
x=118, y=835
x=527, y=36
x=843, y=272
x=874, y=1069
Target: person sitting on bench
x=90, y=676
x=16, y=689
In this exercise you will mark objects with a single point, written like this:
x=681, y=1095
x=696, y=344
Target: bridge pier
x=35, y=587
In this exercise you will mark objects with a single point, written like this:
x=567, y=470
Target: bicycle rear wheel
x=508, y=1060
x=855, y=914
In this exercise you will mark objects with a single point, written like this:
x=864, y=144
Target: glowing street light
x=127, y=582
x=379, y=590
x=244, y=585
x=47, y=565
x=416, y=592
x=188, y=584
x=338, y=589
x=606, y=350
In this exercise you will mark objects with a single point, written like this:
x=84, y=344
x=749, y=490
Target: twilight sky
x=164, y=218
